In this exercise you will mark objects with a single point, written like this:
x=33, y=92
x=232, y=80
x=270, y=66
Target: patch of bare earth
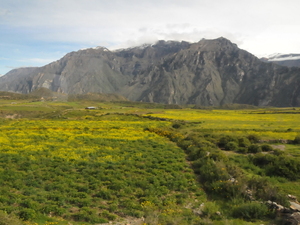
x=280, y=147
x=127, y=221
x=13, y=116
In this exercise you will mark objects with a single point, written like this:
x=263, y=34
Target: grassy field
x=92, y=170
x=61, y=163
x=269, y=124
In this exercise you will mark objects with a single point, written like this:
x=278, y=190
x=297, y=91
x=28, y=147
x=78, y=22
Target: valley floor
x=141, y=163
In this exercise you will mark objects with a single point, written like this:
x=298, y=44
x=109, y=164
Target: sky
x=38, y=32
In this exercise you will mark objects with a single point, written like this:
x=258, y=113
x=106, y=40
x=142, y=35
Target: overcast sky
x=37, y=32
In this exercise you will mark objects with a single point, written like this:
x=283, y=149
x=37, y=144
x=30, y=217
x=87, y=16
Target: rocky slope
x=209, y=72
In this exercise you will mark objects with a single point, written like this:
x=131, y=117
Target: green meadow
x=127, y=162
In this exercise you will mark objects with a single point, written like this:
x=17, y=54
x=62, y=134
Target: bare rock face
x=209, y=72
x=291, y=218
x=288, y=216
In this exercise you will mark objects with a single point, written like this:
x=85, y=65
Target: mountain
x=209, y=72
x=290, y=60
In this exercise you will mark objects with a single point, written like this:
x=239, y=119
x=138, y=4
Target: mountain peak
x=220, y=43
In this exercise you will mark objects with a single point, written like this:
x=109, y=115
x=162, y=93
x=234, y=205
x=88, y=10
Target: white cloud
x=259, y=26
x=40, y=61
x=4, y=12
x=276, y=38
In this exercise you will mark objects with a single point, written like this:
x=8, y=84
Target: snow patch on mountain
x=95, y=48
x=282, y=57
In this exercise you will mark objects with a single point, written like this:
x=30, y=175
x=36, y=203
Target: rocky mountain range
x=209, y=72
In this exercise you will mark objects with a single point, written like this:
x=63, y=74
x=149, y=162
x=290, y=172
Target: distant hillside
x=97, y=97
x=48, y=95
x=207, y=73
x=12, y=96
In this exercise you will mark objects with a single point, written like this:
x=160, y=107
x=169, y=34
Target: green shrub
x=234, y=171
x=210, y=210
x=278, y=152
x=218, y=156
x=7, y=209
x=226, y=189
x=185, y=144
x=232, y=146
x=297, y=139
x=261, y=159
x=262, y=189
x=104, y=193
x=266, y=148
x=176, y=125
x=250, y=211
x=88, y=215
x=97, y=219
x=195, y=153
x=108, y=215
x=48, y=208
x=113, y=207
x=253, y=138
x=27, y=214
x=284, y=166
x=254, y=148
x=27, y=203
x=81, y=216
x=244, y=142
x=242, y=150
x=210, y=171
x=6, y=219
x=226, y=139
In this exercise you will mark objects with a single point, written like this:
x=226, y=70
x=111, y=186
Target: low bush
x=27, y=214
x=226, y=139
x=250, y=211
x=176, y=125
x=282, y=166
x=266, y=148
x=253, y=138
x=278, y=152
x=244, y=142
x=297, y=139
x=196, y=152
x=9, y=219
x=231, y=146
x=218, y=155
x=254, y=148
x=242, y=150
x=262, y=189
x=211, y=210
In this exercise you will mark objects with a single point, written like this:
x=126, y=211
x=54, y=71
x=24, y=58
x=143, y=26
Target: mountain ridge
x=209, y=72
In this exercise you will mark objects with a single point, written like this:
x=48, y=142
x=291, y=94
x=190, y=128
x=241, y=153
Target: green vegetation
x=124, y=161
x=9, y=219
x=92, y=171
